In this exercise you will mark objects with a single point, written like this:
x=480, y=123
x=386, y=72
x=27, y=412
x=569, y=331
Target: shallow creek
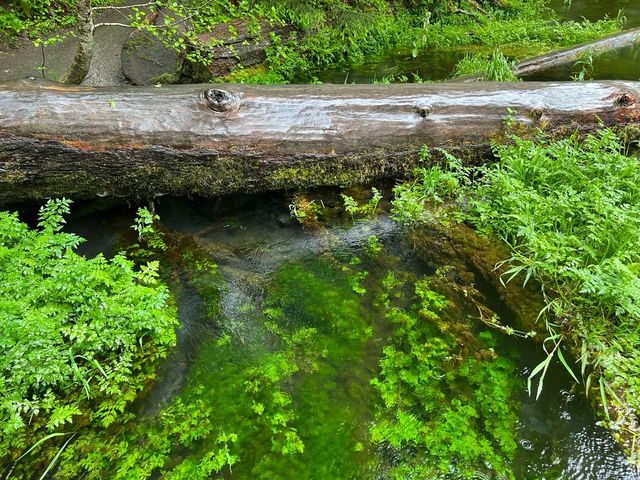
x=299, y=314
x=440, y=65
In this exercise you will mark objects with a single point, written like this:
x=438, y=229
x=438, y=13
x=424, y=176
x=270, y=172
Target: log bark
x=569, y=56
x=196, y=139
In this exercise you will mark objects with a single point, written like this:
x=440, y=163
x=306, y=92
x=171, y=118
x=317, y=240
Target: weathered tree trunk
x=84, y=49
x=194, y=139
x=569, y=56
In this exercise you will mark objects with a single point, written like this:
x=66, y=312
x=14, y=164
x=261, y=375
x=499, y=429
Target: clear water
x=435, y=65
x=426, y=66
x=597, y=9
x=252, y=239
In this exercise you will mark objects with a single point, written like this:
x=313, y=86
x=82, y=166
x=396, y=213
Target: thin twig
x=111, y=24
x=123, y=7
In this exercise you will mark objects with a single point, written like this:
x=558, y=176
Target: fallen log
x=198, y=139
x=571, y=55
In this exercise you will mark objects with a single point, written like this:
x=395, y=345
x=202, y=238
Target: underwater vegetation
x=355, y=365
x=569, y=211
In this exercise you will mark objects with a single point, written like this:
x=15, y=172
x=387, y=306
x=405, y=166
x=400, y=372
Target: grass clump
x=525, y=30
x=495, y=67
x=570, y=212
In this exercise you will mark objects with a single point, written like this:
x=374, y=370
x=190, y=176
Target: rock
x=145, y=60
x=240, y=42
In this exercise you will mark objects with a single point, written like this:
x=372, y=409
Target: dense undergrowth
x=79, y=339
x=331, y=32
x=570, y=212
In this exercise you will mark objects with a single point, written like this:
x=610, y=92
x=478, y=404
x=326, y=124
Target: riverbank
x=336, y=37
x=566, y=210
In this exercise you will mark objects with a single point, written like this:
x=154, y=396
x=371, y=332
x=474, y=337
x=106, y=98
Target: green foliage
x=10, y=25
x=526, y=30
x=329, y=32
x=79, y=335
x=307, y=212
x=259, y=75
x=364, y=210
x=373, y=247
x=447, y=402
x=495, y=67
x=584, y=67
x=570, y=211
x=432, y=185
x=38, y=20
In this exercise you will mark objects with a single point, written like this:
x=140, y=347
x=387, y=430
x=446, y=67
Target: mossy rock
x=145, y=59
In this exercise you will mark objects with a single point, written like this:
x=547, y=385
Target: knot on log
x=221, y=100
x=626, y=99
x=422, y=111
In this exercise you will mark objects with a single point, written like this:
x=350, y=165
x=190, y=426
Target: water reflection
x=597, y=9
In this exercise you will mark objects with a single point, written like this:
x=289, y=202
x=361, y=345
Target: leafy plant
x=448, y=408
x=80, y=336
x=570, y=211
x=306, y=212
x=585, y=66
x=364, y=210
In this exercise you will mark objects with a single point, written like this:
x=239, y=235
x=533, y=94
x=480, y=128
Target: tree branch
x=123, y=7
x=111, y=24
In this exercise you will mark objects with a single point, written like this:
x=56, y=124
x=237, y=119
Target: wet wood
x=570, y=56
x=198, y=139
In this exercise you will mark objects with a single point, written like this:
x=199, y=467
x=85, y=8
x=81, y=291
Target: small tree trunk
x=84, y=50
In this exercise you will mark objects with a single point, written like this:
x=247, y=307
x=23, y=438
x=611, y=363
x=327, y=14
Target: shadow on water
x=252, y=238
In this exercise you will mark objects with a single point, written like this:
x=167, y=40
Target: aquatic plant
x=569, y=209
x=362, y=210
x=307, y=212
x=447, y=396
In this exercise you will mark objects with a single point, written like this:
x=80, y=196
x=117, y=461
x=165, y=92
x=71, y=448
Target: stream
x=338, y=349
x=277, y=278
x=440, y=65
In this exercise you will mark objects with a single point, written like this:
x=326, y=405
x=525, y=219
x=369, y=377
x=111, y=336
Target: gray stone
x=146, y=60
x=239, y=43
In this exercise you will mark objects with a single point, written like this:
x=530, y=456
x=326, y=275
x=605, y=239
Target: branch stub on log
x=221, y=101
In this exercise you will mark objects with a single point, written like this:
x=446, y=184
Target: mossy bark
x=191, y=139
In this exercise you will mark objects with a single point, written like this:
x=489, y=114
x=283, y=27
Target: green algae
x=308, y=393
